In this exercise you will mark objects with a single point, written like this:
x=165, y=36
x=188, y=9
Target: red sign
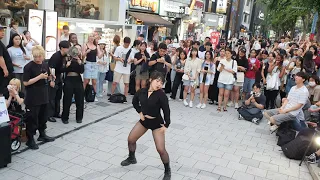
x=215, y=37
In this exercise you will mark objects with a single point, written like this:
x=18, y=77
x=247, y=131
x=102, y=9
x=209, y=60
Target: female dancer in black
x=148, y=102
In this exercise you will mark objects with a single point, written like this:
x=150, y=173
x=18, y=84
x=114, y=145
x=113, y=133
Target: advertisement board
x=51, y=31
x=144, y=5
x=214, y=37
x=35, y=25
x=221, y=6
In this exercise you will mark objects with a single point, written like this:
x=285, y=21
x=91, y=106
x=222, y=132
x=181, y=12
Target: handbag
x=240, y=77
x=273, y=81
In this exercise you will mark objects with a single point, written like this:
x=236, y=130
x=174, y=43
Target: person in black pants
x=36, y=78
x=179, y=66
x=73, y=86
x=55, y=93
x=148, y=102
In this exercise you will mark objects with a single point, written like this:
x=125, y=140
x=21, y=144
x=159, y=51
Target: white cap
x=102, y=41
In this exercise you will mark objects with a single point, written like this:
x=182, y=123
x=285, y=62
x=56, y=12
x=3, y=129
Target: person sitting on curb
x=292, y=106
x=252, y=107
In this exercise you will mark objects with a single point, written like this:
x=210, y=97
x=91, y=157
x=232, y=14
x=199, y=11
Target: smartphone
x=206, y=68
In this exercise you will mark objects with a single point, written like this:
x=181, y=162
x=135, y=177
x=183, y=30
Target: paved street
x=202, y=144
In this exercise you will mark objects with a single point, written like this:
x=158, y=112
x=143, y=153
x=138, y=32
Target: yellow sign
x=61, y=24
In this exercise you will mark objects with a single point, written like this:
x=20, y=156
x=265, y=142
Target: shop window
x=16, y=10
x=87, y=9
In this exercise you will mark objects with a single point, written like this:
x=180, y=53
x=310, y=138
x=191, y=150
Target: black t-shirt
x=160, y=67
x=56, y=62
x=14, y=105
x=138, y=56
x=242, y=62
x=4, y=53
x=260, y=100
x=37, y=93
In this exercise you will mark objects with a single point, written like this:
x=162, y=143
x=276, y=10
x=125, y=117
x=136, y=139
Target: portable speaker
x=5, y=144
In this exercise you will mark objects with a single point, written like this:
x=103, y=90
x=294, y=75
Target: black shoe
x=57, y=116
x=52, y=119
x=167, y=175
x=79, y=121
x=43, y=137
x=32, y=144
x=65, y=121
x=129, y=161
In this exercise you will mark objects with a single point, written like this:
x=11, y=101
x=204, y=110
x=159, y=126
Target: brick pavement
x=202, y=144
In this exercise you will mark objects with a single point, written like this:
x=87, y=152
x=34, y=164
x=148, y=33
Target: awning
x=151, y=19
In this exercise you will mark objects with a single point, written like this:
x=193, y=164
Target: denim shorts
x=225, y=86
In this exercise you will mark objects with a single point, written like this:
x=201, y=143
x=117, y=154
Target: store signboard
x=214, y=37
x=222, y=6
x=144, y=5
x=35, y=25
x=51, y=32
x=211, y=20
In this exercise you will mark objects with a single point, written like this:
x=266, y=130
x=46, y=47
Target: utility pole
x=228, y=18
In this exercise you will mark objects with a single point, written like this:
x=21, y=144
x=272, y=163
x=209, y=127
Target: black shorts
x=152, y=123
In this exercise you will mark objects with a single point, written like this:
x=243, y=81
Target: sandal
x=219, y=109
x=225, y=109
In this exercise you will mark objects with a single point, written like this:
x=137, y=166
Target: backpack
x=89, y=93
x=117, y=98
x=285, y=133
x=296, y=148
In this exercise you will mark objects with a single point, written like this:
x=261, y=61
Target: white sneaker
x=230, y=104
x=180, y=99
x=236, y=105
x=185, y=103
x=273, y=128
x=199, y=106
x=95, y=99
x=190, y=104
x=203, y=106
x=269, y=122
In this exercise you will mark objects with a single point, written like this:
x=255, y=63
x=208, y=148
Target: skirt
x=90, y=70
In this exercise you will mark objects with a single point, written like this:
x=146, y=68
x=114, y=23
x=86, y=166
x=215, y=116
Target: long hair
x=12, y=44
x=145, y=51
x=153, y=76
x=70, y=36
x=185, y=55
x=211, y=55
x=194, y=49
x=155, y=45
x=307, y=62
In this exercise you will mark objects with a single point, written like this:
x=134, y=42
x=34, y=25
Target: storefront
x=146, y=13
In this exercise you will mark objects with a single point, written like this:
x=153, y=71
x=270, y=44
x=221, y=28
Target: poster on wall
x=215, y=37
x=35, y=25
x=144, y=5
x=142, y=30
x=222, y=6
x=51, y=33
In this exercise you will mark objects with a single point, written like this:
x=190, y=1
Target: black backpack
x=117, y=98
x=285, y=133
x=296, y=148
x=89, y=93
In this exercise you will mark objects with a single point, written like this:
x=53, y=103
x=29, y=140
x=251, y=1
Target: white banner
x=222, y=6
x=35, y=25
x=51, y=33
x=4, y=116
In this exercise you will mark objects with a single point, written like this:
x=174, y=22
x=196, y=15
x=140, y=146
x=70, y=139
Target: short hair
x=64, y=44
x=316, y=79
x=228, y=49
x=303, y=75
x=127, y=40
x=208, y=44
x=65, y=27
x=163, y=46
x=17, y=82
x=136, y=43
x=141, y=35
x=257, y=85
x=168, y=38
x=196, y=42
x=38, y=51
x=207, y=38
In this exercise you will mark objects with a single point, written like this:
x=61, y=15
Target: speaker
x=5, y=144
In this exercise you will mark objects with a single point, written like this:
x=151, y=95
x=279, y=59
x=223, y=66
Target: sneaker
x=185, y=103
x=312, y=159
x=190, y=104
x=95, y=99
x=240, y=117
x=203, y=106
x=180, y=99
x=129, y=161
x=269, y=123
x=100, y=95
x=199, y=106
x=230, y=104
x=236, y=105
x=255, y=121
x=273, y=128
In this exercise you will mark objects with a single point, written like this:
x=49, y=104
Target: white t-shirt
x=64, y=37
x=16, y=55
x=121, y=53
x=103, y=68
x=224, y=76
x=297, y=96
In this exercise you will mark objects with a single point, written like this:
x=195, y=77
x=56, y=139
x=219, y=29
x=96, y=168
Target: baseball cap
x=2, y=27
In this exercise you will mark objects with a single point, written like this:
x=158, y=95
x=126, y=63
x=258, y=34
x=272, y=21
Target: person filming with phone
x=252, y=107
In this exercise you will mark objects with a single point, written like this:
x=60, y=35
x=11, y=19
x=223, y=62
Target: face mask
x=312, y=83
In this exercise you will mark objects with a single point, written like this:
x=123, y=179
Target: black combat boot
x=31, y=143
x=130, y=160
x=167, y=172
x=43, y=137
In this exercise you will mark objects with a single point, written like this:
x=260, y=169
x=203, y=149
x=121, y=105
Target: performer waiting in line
x=148, y=102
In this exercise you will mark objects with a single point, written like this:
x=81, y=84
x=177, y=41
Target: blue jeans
x=100, y=82
x=247, y=85
x=290, y=83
